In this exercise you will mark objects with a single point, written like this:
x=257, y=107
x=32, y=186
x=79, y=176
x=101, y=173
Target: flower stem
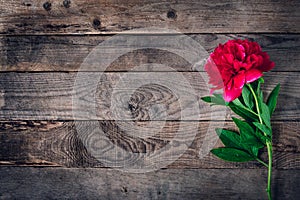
x=269, y=146
x=251, y=111
x=256, y=102
x=262, y=162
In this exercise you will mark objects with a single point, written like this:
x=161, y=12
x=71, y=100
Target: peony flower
x=235, y=64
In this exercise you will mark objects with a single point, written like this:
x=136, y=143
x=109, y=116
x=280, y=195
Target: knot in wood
x=47, y=6
x=67, y=3
x=171, y=14
x=96, y=23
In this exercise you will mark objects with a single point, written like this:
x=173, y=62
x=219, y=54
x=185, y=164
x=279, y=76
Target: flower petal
x=229, y=58
x=253, y=75
x=231, y=94
x=215, y=77
x=234, y=64
x=266, y=65
x=240, y=52
x=239, y=80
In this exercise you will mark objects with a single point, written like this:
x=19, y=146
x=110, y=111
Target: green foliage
x=238, y=108
x=207, y=99
x=229, y=138
x=263, y=128
x=272, y=99
x=254, y=128
x=216, y=99
x=247, y=134
x=247, y=98
x=245, y=141
x=265, y=115
x=232, y=154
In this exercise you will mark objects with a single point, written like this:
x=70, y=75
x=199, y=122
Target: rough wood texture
x=60, y=53
x=60, y=183
x=192, y=16
x=51, y=39
x=48, y=96
x=45, y=143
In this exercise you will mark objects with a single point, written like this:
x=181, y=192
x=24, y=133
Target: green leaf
x=243, y=126
x=247, y=134
x=256, y=85
x=207, y=99
x=272, y=99
x=232, y=154
x=265, y=115
x=238, y=103
x=254, y=150
x=229, y=138
x=259, y=134
x=247, y=97
x=242, y=111
x=263, y=128
x=259, y=94
x=218, y=96
x=261, y=80
x=217, y=99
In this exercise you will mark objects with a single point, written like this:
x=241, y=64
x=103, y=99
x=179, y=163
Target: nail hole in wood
x=47, y=6
x=171, y=14
x=96, y=23
x=67, y=3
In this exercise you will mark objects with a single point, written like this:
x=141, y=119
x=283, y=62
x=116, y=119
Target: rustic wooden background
x=42, y=45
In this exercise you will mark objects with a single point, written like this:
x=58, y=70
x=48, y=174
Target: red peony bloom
x=234, y=64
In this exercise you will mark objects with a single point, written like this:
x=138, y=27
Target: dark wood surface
x=193, y=16
x=60, y=53
x=56, y=143
x=42, y=46
x=57, y=183
x=48, y=96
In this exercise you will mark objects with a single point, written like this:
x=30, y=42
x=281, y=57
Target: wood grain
x=99, y=16
x=51, y=40
x=61, y=53
x=64, y=183
x=46, y=143
x=126, y=96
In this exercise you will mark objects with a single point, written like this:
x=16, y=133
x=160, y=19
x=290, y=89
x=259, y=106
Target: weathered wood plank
x=58, y=183
x=45, y=143
x=60, y=53
x=99, y=16
x=126, y=96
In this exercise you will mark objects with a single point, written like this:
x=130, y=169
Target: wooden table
x=43, y=45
